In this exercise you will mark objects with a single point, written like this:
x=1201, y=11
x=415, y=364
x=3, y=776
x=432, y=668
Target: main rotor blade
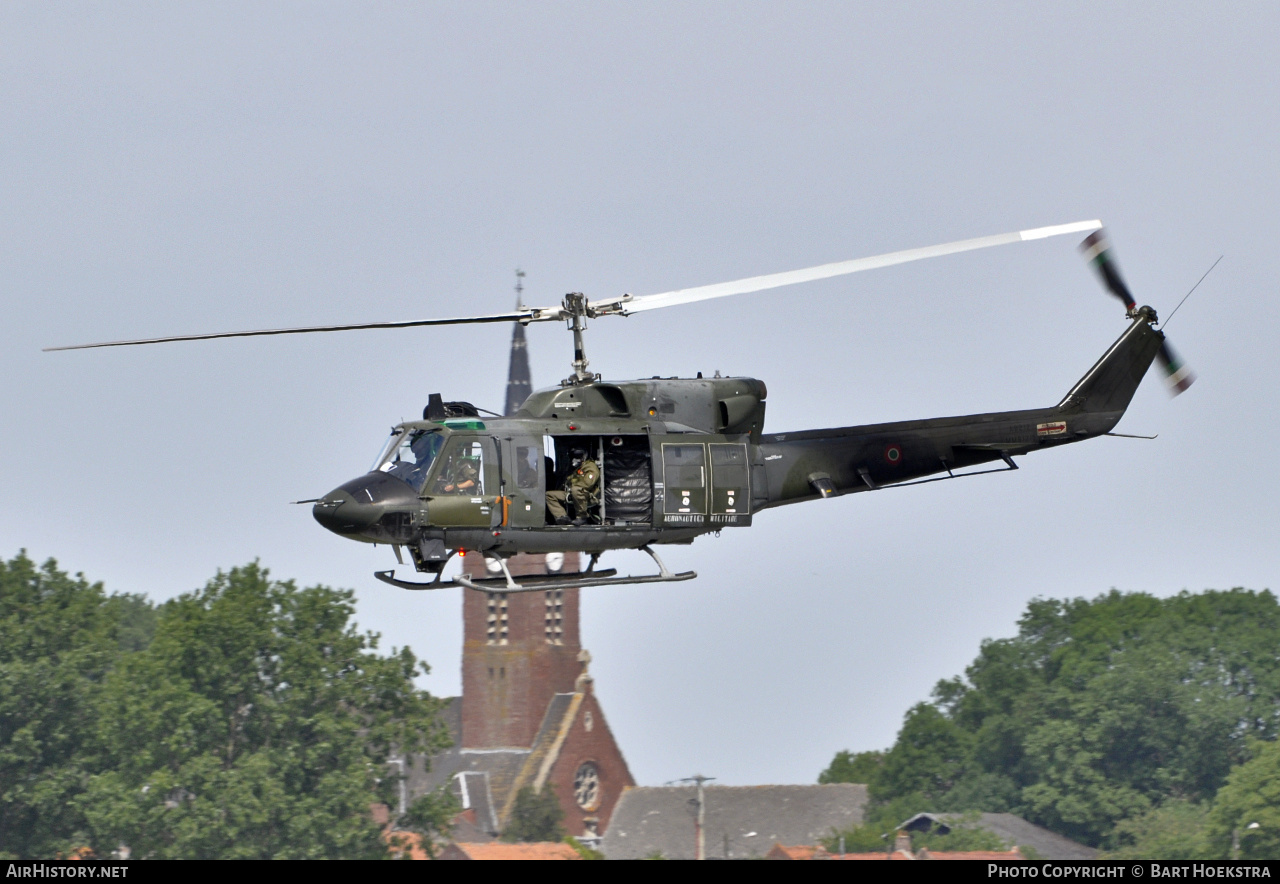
x=628, y=304
x=526, y=315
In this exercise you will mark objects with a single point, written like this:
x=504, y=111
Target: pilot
x=464, y=478
x=581, y=486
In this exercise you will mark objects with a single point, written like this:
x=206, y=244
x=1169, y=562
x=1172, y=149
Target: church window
x=586, y=786
x=498, y=622
x=554, y=618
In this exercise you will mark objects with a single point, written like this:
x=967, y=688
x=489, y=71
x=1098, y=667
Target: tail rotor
x=1097, y=251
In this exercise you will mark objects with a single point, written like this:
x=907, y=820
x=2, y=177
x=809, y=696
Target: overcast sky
x=170, y=168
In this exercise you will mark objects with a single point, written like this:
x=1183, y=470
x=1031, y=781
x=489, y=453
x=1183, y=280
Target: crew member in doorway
x=582, y=486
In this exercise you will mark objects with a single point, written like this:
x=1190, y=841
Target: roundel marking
x=893, y=454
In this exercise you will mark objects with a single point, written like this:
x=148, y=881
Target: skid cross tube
x=544, y=582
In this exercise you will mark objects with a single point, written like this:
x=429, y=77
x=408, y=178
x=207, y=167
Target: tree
x=928, y=758
x=848, y=767
x=535, y=816
x=1175, y=830
x=1097, y=711
x=1247, y=808
x=256, y=724
x=59, y=638
x=431, y=817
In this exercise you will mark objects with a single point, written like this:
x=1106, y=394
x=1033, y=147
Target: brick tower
x=519, y=650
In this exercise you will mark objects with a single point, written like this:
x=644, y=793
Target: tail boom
x=818, y=463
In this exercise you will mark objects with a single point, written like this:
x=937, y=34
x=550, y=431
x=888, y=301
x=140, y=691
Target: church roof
x=741, y=821
x=487, y=780
x=479, y=778
x=561, y=711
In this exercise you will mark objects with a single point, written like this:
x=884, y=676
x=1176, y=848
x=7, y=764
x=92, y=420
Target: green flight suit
x=581, y=487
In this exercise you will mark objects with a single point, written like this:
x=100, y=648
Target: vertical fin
x=1110, y=384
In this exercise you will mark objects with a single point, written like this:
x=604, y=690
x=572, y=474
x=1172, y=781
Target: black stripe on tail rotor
x=1097, y=251
x=1177, y=373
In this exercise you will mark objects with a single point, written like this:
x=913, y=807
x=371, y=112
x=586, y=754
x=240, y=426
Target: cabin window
x=463, y=469
x=684, y=469
x=527, y=466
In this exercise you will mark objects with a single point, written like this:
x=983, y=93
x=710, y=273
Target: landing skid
x=543, y=582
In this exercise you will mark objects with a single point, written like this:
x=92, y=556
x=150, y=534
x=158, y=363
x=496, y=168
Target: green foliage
x=848, y=767
x=1249, y=807
x=59, y=638
x=431, y=816
x=248, y=719
x=1097, y=711
x=583, y=850
x=928, y=758
x=1175, y=830
x=256, y=724
x=535, y=816
x=135, y=620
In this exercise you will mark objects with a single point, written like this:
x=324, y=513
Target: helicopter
x=678, y=457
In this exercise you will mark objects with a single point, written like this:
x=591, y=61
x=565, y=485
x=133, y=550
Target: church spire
x=519, y=381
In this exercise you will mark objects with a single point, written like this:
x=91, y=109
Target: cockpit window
x=463, y=472
x=410, y=460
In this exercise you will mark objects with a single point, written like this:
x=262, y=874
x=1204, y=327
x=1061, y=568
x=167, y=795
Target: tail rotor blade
x=1097, y=251
x=1177, y=373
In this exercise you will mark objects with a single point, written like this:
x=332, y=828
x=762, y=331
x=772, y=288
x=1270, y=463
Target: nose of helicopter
x=353, y=507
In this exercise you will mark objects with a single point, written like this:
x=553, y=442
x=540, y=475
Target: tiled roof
x=488, y=773
x=1018, y=832
x=796, y=851
x=405, y=845
x=741, y=821
x=499, y=850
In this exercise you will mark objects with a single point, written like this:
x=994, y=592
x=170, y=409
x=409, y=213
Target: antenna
x=701, y=819
x=1193, y=288
x=519, y=289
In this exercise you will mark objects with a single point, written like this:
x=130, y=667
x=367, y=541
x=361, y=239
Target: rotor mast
x=575, y=310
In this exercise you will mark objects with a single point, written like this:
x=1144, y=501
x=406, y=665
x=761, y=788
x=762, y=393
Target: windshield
x=410, y=459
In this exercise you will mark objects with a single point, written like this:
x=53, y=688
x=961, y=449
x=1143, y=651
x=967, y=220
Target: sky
x=169, y=168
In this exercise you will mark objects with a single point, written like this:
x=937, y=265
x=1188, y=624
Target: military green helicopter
x=678, y=457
